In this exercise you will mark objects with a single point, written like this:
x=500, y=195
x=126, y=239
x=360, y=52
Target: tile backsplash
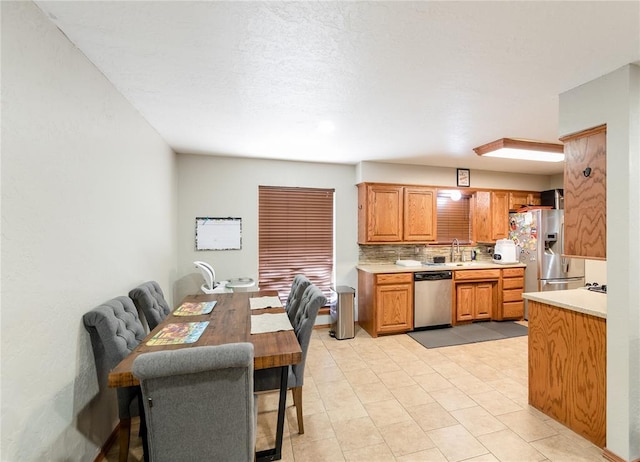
x=378, y=254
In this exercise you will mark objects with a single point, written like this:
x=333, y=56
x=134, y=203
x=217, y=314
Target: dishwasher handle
x=432, y=275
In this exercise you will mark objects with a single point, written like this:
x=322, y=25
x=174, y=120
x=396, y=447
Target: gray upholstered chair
x=269, y=379
x=149, y=298
x=199, y=403
x=115, y=329
x=299, y=285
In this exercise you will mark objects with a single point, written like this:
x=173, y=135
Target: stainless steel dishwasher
x=432, y=299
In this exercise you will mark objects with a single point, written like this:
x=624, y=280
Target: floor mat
x=468, y=333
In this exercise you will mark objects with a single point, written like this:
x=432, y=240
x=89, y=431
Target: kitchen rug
x=468, y=333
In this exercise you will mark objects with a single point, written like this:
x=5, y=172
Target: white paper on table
x=257, y=303
x=270, y=322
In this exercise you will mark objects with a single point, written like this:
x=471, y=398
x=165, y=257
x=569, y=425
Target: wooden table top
x=229, y=322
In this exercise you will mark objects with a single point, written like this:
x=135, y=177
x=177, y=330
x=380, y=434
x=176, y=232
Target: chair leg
x=297, y=401
x=123, y=439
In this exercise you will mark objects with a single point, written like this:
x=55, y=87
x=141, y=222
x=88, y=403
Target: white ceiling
x=408, y=82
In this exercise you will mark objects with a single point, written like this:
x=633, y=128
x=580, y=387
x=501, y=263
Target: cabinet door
x=482, y=216
x=518, y=199
x=534, y=199
x=394, y=309
x=465, y=300
x=384, y=213
x=499, y=215
x=484, y=300
x=585, y=194
x=420, y=214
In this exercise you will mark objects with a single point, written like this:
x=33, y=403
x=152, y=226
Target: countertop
x=393, y=268
x=580, y=300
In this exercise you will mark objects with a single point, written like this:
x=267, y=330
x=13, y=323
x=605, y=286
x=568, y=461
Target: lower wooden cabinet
x=474, y=300
x=568, y=369
x=385, y=302
x=475, y=294
x=512, y=288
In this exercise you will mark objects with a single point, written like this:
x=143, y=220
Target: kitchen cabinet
x=390, y=213
x=380, y=209
x=475, y=294
x=518, y=199
x=385, y=302
x=420, y=214
x=490, y=215
x=474, y=301
x=585, y=194
x=512, y=306
x=568, y=368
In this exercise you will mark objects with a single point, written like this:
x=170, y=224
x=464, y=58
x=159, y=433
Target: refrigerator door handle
x=564, y=261
x=557, y=281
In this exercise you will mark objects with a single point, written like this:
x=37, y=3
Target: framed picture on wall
x=464, y=177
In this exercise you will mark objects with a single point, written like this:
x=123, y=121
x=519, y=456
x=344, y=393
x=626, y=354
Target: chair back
x=199, y=403
x=149, y=298
x=115, y=330
x=312, y=300
x=299, y=285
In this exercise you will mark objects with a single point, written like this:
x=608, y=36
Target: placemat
x=258, y=303
x=177, y=333
x=194, y=308
x=270, y=322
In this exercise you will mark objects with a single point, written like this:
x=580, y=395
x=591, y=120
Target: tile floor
x=391, y=399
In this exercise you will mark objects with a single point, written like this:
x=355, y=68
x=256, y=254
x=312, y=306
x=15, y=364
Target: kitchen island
x=568, y=359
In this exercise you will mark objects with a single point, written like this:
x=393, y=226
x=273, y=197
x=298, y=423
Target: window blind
x=453, y=219
x=295, y=236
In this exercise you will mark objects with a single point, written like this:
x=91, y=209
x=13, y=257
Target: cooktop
x=595, y=287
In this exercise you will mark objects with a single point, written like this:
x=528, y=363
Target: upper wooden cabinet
x=396, y=213
x=420, y=214
x=585, y=194
x=500, y=214
x=379, y=213
x=519, y=199
x=490, y=215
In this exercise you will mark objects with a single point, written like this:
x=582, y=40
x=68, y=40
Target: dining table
x=228, y=322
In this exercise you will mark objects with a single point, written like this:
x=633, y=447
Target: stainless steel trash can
x=342, y=313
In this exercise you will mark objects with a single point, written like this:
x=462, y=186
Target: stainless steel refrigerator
x=540, y=235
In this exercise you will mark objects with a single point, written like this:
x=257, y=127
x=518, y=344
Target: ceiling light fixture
x=512, y=148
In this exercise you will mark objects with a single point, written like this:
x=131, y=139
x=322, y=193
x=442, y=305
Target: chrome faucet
x=455, y=244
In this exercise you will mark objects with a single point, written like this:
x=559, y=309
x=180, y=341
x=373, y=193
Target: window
x=295, y=235
x=453, y=219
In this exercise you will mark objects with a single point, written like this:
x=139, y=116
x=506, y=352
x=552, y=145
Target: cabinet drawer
x=465, y=275
x=512, y=272
x=512, y=295
x=394, y=278
x=513, y=310
x=513, y=283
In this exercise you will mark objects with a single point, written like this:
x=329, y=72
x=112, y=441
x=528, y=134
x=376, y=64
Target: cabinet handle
x=586, y=172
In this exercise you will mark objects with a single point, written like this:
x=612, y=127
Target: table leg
x=276, y=453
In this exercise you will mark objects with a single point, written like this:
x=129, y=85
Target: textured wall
x=227, y=187
x=88, y=212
